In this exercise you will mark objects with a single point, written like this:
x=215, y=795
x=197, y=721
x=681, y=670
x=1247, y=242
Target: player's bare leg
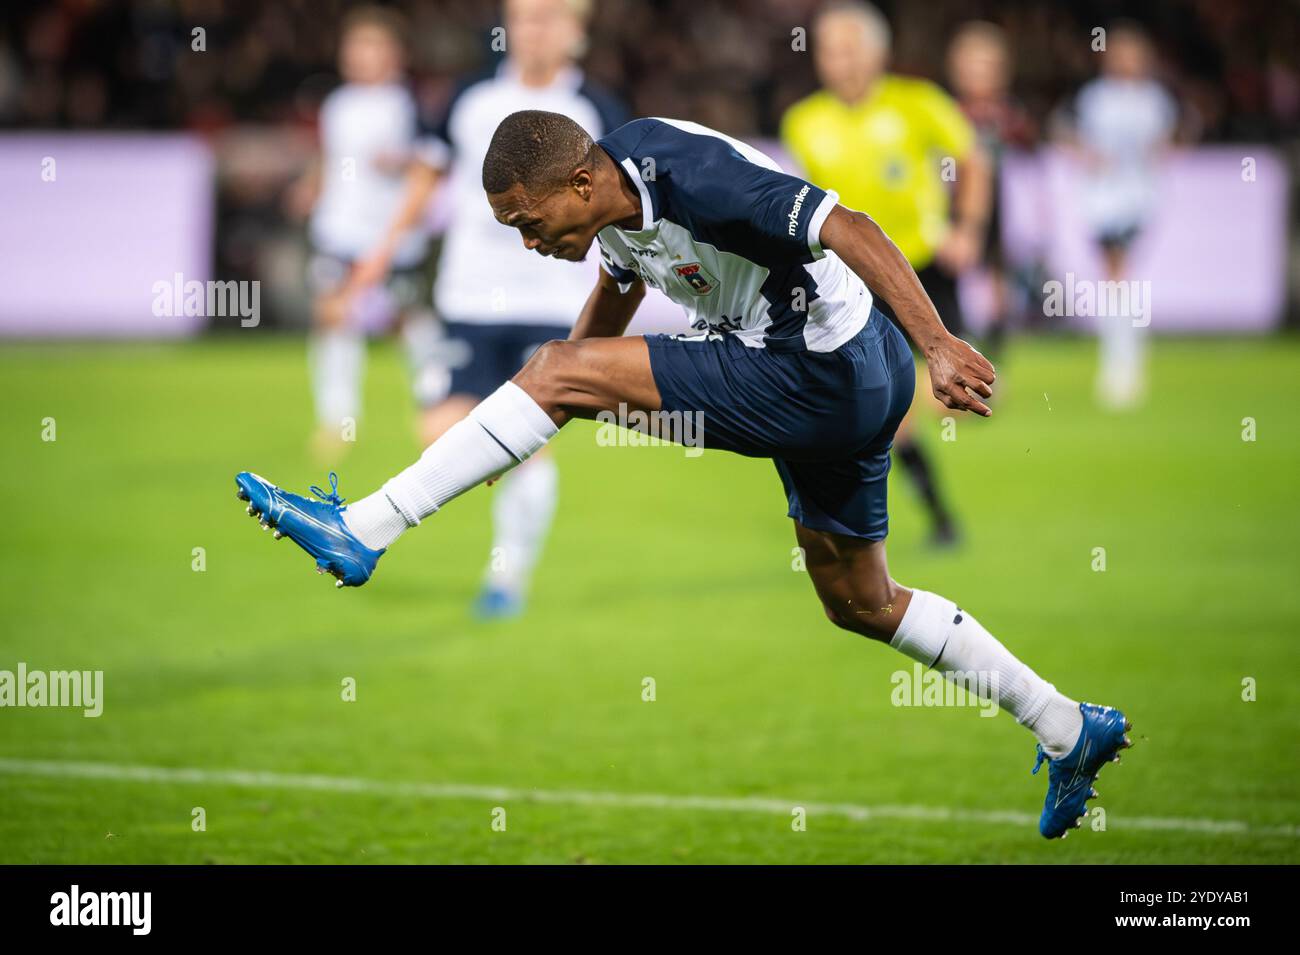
x=561, y=381
x=851, y=577
x=579, y=379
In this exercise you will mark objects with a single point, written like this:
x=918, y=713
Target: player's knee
x=543, y=374
x=557, y=375
x=867, y=610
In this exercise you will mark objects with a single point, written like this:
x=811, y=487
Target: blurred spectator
x=980, y=70
x=1124, y=120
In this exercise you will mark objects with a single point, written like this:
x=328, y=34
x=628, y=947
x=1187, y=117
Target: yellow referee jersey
x=885, y=156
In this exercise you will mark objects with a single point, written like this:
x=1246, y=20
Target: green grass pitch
x=661, y=566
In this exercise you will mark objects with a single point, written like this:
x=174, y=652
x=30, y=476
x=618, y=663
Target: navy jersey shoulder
x=701, y=181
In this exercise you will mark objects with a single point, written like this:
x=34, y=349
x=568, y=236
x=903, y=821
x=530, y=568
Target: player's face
x=556, y=224
x=1128, y=57
x=846, y=55
x=544, y=34
x=977, y=68
x=368, y=54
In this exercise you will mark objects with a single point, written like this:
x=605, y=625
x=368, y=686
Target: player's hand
x=960, y=250
x=960, y=376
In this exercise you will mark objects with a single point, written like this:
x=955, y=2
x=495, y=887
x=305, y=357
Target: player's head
x=372, y=45
x=850, y=47
x=978, y=60
x=541, y=174
x=1128, y=53
x=546, y=35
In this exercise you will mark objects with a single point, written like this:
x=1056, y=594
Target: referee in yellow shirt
x=900, y=150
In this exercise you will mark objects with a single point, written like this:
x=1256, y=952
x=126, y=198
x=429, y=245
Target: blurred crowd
x=1234, y=67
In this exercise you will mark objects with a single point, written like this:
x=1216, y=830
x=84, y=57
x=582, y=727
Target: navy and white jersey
x=367, y=135
x=485, y=273
x=732, y=239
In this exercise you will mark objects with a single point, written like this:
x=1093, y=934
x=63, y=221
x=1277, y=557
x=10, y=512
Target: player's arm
x=303, y=192
x=959, y=375
x=609, y=308
x=421, y=179
x=972, y=202
x=949, y=133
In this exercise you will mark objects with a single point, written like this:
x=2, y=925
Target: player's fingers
x=977, y=406
x=968, y=402
x=980, y=388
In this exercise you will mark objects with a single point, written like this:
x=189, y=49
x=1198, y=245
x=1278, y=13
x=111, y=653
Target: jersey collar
x=647, y=190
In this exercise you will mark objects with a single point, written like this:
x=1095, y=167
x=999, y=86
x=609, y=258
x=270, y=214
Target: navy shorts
x=485, y=355
x=826, y=418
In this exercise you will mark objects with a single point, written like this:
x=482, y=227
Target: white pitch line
x=258, y=779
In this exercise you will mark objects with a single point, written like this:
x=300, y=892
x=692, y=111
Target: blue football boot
x=315, y=526
x=495, y=603
x=1070, y=778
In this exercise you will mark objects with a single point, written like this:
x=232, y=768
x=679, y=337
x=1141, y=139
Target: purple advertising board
x=90, y=225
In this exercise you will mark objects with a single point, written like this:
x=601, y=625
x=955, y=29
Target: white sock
x=336, y=357
x=939, y=635
x=375, y=521
x=504, y=430
x=521, y=516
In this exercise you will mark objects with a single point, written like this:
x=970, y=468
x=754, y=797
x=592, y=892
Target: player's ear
x=582, y=182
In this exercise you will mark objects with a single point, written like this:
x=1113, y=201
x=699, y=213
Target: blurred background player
x=1124, y=119
x=979, y=75
x=367, y=130
x=890, y=146
x=498, y=301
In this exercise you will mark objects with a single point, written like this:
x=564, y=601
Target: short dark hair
x=534, y=148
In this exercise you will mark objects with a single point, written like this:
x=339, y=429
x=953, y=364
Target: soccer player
x=498, y=302
x=1125, y=120
x=979, y=73
x=896, y=146
x=795, y=365
x=368, y=129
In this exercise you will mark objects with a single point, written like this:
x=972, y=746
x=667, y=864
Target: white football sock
x=336, y=357
x=521, y=516
x=939, y=635
x=503, y=430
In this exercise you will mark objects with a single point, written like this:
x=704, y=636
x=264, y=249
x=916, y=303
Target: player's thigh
x=582, y=378
x=851, y=577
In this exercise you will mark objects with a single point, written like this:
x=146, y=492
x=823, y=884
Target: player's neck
x=624, y=210
x=857, y=96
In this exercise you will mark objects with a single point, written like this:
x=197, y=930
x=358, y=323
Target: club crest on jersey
x=693, y=274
